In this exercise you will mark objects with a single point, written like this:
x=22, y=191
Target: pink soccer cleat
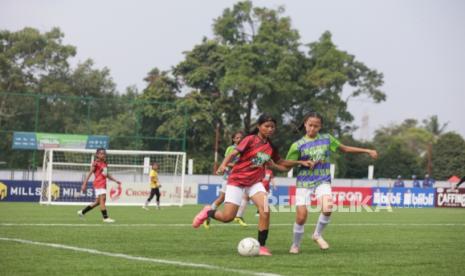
x=201, y=216
x=264, y=251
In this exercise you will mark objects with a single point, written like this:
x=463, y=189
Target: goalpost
x=64, y=170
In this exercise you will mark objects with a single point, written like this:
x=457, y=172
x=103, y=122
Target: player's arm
x=226, y=161
x=273, y=183
x=346, y=149
x=286, y=165
x=292, y=160
x=154, y=178
x=84, y=183
x=113, y=179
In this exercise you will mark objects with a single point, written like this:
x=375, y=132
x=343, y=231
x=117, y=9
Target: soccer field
x=52, y=240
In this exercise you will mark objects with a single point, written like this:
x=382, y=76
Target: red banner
x=450, y=198
x=346, y=196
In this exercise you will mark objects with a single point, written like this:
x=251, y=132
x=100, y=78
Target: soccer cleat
x=264, y=251
x=108, y=220
x=294, y=249
x=80, y=214
x=240, y=221
x=201, y=216
x=206, y=224
x=145, y=208
x=321, y=242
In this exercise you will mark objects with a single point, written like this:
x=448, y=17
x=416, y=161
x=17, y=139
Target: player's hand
x=373, y=154
x=308, y=163
x=221, y=170
x=83, y=188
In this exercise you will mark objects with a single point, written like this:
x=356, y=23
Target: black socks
x=262, y=236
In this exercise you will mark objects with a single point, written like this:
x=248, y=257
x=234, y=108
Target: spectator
x=415, y=182
x=428, y=181
x=399, y=183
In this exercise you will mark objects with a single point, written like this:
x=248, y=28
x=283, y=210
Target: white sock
x=214, y=206
x=298, y=234
x=321, y=224
x=146, y=204
x=240, y=211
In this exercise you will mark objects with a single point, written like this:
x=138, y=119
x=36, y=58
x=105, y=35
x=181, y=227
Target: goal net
x=64, y=170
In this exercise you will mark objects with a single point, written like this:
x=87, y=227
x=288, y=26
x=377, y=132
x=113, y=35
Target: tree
x=353, y=165
x=433, y=126
x=254, y=64
x=40, y=92
x=449, y=156
x=397, y=160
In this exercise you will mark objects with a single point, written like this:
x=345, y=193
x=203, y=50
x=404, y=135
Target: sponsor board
x=450, y=198
x=14, y=190
x=70, y=191
x=207, y=193
x=403, y=197
x=41, y=141
x=343, y=196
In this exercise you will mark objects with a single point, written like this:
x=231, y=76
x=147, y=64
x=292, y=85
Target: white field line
x=220, y=225
x=136, y=258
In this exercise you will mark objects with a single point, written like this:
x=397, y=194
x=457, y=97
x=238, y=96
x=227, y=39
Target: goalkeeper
x=154, y=187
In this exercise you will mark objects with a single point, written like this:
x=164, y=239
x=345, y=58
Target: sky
x=419, y=45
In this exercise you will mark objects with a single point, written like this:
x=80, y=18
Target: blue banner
x=95, y=142
x=403, y=197
x=30, y=191
x=24, y=140
x=207, y=193
x=14, y=190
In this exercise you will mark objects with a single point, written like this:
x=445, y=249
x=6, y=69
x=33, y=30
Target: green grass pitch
x=162, y=242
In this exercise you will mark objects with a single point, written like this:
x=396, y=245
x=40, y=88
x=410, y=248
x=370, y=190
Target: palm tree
x=433, y=126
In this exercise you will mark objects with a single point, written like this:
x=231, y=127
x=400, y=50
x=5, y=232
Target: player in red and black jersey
x=100, y=171
x=256, y=150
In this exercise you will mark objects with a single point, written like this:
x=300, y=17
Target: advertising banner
x=450, y=198
x=403, y=197
x=345, y=196
x=33, y=140
x=207, y=193
x=14, y=190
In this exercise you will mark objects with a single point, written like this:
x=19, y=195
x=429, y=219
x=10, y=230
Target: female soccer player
x=315, y=179
x=236, y=138
x=256, y=150
x=154, y=187
x=99, y=169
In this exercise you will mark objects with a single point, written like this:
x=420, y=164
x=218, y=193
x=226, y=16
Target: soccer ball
x=248, y=247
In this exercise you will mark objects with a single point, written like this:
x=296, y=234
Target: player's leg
x=146, y=204
x=233, y=198
x=103, y=208
x=324, y=195
x=259, y=197
x=82, y=212
x=218, y=201
x=302, y=199
x=157, y=194
x=240, y=213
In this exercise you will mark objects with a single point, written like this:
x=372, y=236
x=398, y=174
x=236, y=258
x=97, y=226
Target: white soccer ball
x=248, y=247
